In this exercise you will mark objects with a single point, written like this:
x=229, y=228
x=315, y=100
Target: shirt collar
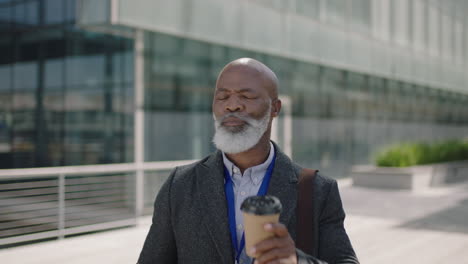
x=261, y=168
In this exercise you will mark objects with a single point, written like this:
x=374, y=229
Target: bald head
x=254, y=67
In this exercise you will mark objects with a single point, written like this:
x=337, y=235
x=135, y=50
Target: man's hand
x=279, y=249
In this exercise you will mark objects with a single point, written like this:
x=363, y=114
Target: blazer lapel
x=283, y=184
x=215, y=218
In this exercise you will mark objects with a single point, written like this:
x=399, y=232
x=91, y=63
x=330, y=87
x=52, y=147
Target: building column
x=139, y=125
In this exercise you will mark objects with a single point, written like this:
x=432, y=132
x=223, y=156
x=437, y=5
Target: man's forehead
x=240, y=76
x=245, y=70
x=241, y=69
x=241, y=84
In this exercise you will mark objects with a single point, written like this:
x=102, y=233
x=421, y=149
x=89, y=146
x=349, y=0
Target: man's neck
x=252, y=157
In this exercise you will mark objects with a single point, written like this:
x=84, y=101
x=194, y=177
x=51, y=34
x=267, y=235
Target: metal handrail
x=61, y=172
x=91, y=169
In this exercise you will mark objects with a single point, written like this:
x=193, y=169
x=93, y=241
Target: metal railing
x=42, y=203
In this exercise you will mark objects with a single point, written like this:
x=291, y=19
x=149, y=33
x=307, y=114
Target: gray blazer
x=190, y=222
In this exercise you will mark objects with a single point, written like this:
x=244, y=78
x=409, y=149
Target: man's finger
x=278, y=229
x=267, y=244
x=277, y=253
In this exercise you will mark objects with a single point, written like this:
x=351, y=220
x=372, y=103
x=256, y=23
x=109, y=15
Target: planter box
x=410, y=178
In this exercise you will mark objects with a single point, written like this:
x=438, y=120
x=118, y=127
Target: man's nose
x=234, y=105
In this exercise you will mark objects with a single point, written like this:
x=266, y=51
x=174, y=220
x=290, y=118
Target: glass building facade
x=67, y=90
x=340, y=117
x=65, y=93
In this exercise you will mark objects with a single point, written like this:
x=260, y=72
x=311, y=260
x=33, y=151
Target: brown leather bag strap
x=304, y=211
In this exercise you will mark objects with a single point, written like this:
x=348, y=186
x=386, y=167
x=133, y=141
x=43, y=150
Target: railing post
x=61, y=206
x=139, y=190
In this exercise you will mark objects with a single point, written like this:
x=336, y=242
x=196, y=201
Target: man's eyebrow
x=242, y=90
x=221, y=89
x=247, y=90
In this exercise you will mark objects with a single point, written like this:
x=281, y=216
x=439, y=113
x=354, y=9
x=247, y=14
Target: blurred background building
x=87, y=82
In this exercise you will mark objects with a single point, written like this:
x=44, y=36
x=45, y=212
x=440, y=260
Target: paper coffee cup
x=258, y=211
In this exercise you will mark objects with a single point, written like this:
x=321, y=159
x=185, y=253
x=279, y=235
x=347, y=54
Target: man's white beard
x=233, y=142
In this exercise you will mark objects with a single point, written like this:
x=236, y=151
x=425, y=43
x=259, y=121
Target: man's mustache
x=236, y=115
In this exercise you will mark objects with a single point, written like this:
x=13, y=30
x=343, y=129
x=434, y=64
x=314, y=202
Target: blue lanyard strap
x=229, y=191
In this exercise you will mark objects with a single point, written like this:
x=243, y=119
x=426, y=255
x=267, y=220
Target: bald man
x=191, y=223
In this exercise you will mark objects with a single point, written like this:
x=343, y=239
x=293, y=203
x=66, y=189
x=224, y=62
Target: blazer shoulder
x=188, y=170
x=320, y=181
x=322, y=186
x=324, y=181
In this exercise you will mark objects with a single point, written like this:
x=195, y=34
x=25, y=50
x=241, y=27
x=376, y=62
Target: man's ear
x=275, y=107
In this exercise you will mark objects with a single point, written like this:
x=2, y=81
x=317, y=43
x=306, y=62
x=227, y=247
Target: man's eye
x=221, y=97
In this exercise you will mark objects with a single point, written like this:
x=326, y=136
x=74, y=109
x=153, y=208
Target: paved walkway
x=384, y=226
x=402, y=227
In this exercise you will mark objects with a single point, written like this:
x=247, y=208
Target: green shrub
x=410, y=154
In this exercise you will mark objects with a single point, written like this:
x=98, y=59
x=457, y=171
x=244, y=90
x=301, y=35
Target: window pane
x=336, y=11
x=26, y=14
x=5, y=76
x=22, y=69
x=305, y=89
x=310, y=8
x=53, y=76
x=70, y=13
x=358, y=95
x=419, y=24
x=433, y=29
x=400, y=21
x=6, y=18
x=447, y=36
x=360, y=17
x=333, y=90
x=54, y=11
